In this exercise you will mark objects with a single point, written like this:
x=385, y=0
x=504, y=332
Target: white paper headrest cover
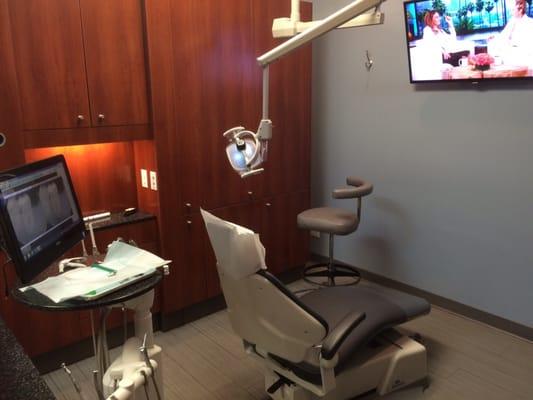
x=238, y=250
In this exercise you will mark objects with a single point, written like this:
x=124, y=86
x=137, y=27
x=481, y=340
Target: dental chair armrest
x=337, y=336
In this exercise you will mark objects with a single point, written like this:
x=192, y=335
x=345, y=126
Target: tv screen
x=40, y=218
x=469, y=40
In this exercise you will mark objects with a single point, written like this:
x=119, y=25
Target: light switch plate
x=153, y=180
x=144, y=178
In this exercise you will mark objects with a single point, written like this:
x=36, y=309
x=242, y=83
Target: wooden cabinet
x=287, y=245
x=208, y=83
x=114, y=56
x=79, y=63
x=187, y=282
x=12, y=151
x=47, y=37
x=74, y=72
x=214, y=65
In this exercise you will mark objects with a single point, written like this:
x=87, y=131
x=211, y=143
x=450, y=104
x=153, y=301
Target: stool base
x=331, y=271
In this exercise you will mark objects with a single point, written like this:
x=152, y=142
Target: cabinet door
x=12, y=149
x=286, y=245
x=47, y=37
x=114, y=53
x=37, y=331
x=215, y=64
x=187, y=282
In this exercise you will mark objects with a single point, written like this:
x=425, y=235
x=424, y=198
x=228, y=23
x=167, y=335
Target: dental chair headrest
x=238, y=250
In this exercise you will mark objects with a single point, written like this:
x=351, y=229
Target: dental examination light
x=247, y=150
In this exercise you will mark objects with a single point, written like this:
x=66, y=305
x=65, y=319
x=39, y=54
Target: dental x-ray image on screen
x=469, y=39
x=40, y=217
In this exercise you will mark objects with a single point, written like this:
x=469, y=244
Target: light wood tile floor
x=204, y=360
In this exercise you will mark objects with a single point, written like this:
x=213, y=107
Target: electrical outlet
x=144, y=178
x=315, y=234
x=153, y=180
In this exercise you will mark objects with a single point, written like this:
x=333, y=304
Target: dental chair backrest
x=261, y=310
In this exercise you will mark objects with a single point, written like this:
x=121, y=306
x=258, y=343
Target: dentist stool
x=335, y=221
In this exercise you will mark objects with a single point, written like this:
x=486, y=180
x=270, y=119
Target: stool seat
x=334, y=221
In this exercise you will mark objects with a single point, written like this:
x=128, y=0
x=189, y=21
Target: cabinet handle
x=101, y=117
x=268, y=204
x=3, y=139
x=81, y=118
x=188, y=205
x=189, y=222
x=250, y=193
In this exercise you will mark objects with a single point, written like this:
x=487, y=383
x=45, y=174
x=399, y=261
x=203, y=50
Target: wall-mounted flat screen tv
x=469, y=39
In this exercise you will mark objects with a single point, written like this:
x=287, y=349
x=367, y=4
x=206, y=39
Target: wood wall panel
x=12, y=152
x=114, y=57
x=191, y=241
x=49, y=56
x=205, y=80
x=213, y=52
x=163, y=84
x=144, y=155
x=103, y=174
x=39, y=331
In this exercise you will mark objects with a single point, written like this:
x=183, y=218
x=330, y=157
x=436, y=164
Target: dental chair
x=332, y=343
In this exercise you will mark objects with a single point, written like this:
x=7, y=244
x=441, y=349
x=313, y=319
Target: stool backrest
x=359, y=189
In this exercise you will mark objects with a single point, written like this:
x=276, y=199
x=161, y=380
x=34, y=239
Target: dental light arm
x=287, y=27
x=247, y=150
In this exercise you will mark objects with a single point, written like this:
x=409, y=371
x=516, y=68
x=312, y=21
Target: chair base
x=313, y=273
x=387, y=368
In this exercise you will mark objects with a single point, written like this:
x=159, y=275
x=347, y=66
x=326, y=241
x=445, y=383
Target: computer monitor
x=40, y=218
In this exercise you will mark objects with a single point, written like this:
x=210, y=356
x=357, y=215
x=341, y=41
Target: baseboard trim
x=495, y=321
x=191, y=313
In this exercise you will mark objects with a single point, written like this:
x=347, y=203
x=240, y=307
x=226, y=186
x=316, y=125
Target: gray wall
x=452, y=165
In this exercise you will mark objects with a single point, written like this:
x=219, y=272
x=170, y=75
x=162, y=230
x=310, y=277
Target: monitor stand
x=139, y=363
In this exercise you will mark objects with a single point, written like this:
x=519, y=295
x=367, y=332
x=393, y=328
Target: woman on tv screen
x=483, y=39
